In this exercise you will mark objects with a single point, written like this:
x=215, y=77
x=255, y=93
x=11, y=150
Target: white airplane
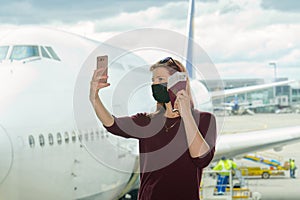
x=235, y=107
x=51, y=144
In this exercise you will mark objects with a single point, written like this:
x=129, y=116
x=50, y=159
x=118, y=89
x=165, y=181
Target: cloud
x=43, y=12
x=237, y=35
x=248, y=38
x=246, y=70
x=292, y=59
x=285, y=6
x=240, y=70
x=170, y=15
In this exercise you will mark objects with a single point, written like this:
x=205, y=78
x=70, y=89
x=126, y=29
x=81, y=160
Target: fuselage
x=46, y=152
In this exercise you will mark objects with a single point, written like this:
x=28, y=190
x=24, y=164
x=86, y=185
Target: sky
x=241, y=37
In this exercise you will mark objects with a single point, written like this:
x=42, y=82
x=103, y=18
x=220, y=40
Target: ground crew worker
x=224, y=166
x=292, y=168
x=238, y=174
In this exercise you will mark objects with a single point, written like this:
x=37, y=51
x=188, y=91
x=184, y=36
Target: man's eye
x=160, y=79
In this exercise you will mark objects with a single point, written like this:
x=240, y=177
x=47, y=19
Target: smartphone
x=102, y=62
x=176, y=82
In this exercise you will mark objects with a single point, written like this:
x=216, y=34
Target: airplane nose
x=6, y=154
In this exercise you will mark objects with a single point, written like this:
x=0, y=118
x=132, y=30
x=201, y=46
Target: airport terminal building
x=276, y=97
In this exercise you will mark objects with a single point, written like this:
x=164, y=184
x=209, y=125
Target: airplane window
x=98, y=135
x=53, y=54
x=31, y=141
x=86, y=137
x=80, y=136
x=92, y=136
x=22, y=52
x=67, y=137
x=42, y=140
x=102, y=134
x=59, y=139
x=3, y=52
x=50, y=138
x=74, y=136
x=44, y=53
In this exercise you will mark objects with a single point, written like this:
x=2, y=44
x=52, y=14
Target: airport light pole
x=275, y=70
x=275, y=77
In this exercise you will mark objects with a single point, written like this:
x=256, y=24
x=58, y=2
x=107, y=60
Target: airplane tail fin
x=190, y=37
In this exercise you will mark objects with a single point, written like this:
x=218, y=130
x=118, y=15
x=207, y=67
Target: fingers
x=100, y=70
x=183, y=99
x=182, y=94
x=99, y=78
x=176, y=104
x=99, y=74
x=103, y=85
x=98, y=85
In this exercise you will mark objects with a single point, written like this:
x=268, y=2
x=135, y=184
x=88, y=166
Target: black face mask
x=160, y=93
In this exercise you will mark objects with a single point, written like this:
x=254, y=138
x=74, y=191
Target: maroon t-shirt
x=167, y=170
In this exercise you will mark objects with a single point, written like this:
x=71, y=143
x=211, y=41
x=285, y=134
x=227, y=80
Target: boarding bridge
x=235, y=190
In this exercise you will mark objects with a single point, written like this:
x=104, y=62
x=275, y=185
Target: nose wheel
x=6, y=154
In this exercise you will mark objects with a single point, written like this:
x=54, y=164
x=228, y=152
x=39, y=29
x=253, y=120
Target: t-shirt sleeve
x=208, y=129
x=129, y=127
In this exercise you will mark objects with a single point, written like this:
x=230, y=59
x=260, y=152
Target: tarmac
x=274, y=188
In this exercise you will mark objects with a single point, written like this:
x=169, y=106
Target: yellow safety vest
x=292, y=165
x=224, y=166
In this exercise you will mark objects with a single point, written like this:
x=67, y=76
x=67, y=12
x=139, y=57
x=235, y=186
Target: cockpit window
x=53, y=54
x=23, y=52
x=44, y=53
x=3, y=52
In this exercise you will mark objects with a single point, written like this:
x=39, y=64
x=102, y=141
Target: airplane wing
x=229, y=108
x=230, y=92
x=260, y=105
x=238, y=144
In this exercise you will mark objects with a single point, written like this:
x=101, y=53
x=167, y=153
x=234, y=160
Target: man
x=224, y=166
x=238, y=174
x=292, y=168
